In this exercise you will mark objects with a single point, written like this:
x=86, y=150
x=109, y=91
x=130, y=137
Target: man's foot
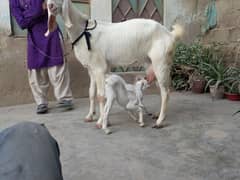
x=65, y=104
x=42, y=109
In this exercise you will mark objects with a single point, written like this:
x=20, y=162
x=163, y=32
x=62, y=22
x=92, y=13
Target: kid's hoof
x=98, y=126
x=107, y=131
x=88, y=120
x=157, y=126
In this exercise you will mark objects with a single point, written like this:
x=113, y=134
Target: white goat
x=129, y=96
x=122, y=43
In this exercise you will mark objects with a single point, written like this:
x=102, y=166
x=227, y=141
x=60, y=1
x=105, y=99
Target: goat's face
x=141, y=83
x=56, y=7
x=145, y=84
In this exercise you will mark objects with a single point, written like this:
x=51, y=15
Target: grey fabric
x=29, y=152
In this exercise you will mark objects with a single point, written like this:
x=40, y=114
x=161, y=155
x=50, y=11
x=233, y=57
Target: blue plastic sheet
x=211, y=16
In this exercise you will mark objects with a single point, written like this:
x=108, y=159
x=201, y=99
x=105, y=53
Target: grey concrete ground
x=200, y=142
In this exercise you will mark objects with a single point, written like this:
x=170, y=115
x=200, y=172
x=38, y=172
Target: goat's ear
x=66, y=13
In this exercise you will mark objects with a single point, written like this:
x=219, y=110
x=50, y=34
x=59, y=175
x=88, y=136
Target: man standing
x=44, y=54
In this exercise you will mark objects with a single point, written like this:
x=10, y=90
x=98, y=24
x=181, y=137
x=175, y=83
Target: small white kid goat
x=142, y=40
x=129, y=96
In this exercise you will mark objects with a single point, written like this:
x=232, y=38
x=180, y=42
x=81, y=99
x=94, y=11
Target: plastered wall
x=14, y=87
x=191, y=13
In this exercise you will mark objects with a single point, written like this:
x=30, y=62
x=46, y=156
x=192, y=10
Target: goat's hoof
x=141, y=124
x=157, y=126
x=88, y=120
x=107, y=131
x=98, y=126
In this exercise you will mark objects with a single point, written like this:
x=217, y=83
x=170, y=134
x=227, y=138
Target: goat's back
x=127, y=42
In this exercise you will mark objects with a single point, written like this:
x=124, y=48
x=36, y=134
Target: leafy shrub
x=187, y=62
x=232, y=84
x=192, y=55
x=215, y=72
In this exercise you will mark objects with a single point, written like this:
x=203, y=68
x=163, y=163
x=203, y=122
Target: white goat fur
x=122, y=43
x=129, y=96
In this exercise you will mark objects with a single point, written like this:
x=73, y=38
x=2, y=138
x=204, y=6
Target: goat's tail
x=177, y=31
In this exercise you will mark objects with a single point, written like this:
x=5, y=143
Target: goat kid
x=129, y=96
x=113, y=44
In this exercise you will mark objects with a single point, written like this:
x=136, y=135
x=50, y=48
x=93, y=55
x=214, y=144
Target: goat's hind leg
x=164, y=100
x=161, y=67
x=140, y=116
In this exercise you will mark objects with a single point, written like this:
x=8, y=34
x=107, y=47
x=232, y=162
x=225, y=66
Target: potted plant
x=232, y=85
x=198, y=82
x=185, y=72
x=216, y=74
x=233, y=94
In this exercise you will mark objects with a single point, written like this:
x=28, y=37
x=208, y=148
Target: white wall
x=101, y=10
x=189, y=13
x=181, y=11
x=5, y=25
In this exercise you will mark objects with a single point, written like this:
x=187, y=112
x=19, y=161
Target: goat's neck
x=78, y=20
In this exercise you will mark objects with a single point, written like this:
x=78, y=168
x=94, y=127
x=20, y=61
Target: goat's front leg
x=92, y=93
x=107, y=109
x=100, y=81
x=140, y=120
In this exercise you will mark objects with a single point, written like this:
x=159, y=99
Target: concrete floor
x=200, y=142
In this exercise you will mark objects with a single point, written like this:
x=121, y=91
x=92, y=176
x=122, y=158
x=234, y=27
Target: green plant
x=192, y=55
x=216, y=73
x=187, y=60
x=232, y=85
x=180, y=81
